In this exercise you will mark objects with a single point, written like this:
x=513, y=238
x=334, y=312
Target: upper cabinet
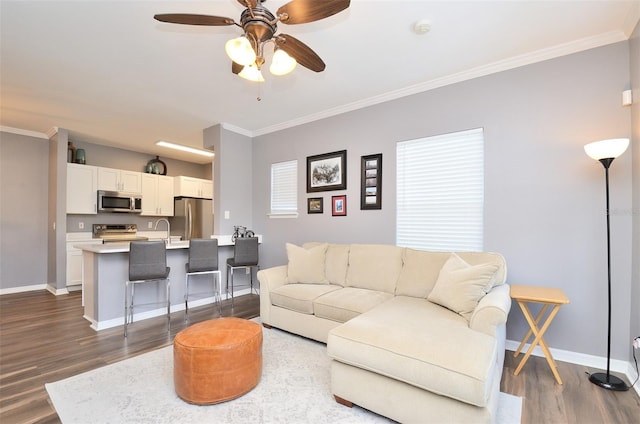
x=82, y=184
x=157, y=195
x=119, y=180
x=193, y=187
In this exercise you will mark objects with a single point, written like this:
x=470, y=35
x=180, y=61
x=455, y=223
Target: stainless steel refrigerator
x=193, y=218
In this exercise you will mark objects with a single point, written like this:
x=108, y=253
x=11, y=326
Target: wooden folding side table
x=547, y=297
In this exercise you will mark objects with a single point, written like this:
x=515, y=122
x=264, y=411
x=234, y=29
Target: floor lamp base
x=608, y=381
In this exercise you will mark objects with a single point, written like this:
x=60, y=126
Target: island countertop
x=223, y=240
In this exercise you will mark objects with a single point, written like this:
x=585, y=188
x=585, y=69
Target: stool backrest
x=147, y=260
x=203, y=255
x=245, y=251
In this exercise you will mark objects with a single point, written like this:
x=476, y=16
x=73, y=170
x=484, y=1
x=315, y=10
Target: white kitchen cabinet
x=119, y=180
x=157, y=195
x=82, y=186
x=74, y=257
x=193, y=187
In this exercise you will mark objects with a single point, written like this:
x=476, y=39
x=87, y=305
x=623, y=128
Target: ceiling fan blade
x=303, y=11
x=236, y=68
x=249, y=3
x=190, y=19
x=300, y=52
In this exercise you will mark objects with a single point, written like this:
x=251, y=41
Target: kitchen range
x=117, y=233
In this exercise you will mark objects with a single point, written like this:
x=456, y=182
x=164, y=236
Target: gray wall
x=232, y=178
x=23, y=210
x=635, y=152
x=544, y=198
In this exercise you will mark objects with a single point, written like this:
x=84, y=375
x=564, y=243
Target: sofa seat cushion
x=299, y=297
x=422, y=344
x=349, y=302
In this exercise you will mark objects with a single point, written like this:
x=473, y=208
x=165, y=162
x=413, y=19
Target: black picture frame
x=339, y=205
x=327, y=172
x=315, y=205
x=371, y=181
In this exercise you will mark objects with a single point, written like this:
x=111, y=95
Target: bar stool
x=203, y=259
x=147, y=264
x=245, y=255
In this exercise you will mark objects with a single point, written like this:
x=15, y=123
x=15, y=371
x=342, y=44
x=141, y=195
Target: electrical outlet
x=227, y=215
x=247, y=270
x=150, y=225
x=81, y=225
x=636, y=343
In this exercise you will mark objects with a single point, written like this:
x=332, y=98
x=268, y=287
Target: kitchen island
x=105, y=268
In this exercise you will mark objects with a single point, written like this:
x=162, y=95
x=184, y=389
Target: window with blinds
x=440, y=192
x=284, y=189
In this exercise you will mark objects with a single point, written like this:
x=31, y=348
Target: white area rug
x=294, y=389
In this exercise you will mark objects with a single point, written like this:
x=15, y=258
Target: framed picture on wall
x=327, y=172
x=339, y=205
x=315, y=205
x=371, y=181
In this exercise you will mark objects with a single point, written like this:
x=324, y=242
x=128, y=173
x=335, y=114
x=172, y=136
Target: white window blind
x=284, y=188
x=440, y=192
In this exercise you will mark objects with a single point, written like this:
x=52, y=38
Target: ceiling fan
x=260, y=26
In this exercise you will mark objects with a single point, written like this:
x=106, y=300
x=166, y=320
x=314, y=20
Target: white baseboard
x=23, y=289
x=599, y=362
x=56, y=291
x=115, y=322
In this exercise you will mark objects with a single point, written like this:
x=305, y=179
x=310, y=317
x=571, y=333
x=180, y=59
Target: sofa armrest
x=492, y=311
x=270, y=279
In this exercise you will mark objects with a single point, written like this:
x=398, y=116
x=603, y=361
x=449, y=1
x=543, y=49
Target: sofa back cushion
x=421, y=268
x=306, y=266
x=420, y=271
x=374, y=267
x=336, y=262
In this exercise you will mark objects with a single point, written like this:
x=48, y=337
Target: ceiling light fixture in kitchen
x=185, y=148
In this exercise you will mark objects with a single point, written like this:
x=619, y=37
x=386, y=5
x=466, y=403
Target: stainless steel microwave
x=115, y=201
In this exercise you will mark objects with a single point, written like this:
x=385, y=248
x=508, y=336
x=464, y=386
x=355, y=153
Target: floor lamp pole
x=607, y=380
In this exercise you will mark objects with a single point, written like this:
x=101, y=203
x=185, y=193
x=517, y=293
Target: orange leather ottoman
x=217, y=360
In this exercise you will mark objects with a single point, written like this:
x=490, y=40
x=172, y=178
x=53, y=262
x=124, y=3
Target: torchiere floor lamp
x=605, y=152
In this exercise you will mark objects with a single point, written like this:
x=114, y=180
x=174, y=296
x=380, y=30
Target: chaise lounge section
x=413, y=335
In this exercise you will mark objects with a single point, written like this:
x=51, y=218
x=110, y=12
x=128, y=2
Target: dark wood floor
x=43, y=338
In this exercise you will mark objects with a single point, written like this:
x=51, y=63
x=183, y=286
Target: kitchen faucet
x=168, y=239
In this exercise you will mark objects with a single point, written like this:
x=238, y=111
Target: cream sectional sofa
x=413, y=335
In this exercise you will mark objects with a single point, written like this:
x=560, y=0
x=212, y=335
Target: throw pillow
x=306, y=265
x=460, y=286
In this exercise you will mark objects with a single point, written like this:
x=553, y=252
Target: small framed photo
x=315, y=205
x=327, y=172
x=371, y=182
x=339, y=205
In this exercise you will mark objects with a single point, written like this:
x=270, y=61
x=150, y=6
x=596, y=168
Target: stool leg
x=186, y=297
x=126, y=306
x=231, y=287
x=169, y=305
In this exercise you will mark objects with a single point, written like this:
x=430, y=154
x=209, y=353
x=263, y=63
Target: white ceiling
x=112, y=75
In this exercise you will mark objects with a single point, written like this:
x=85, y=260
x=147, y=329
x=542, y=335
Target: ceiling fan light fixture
x=282, y=63
x=251, y=73
x=240, y=51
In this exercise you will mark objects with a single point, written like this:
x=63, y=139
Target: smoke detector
x=422, y=26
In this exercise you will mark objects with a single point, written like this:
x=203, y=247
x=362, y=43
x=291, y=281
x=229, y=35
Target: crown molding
x=237, y=130
x=495, y=67
x=52, y=131
x=20, y=131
